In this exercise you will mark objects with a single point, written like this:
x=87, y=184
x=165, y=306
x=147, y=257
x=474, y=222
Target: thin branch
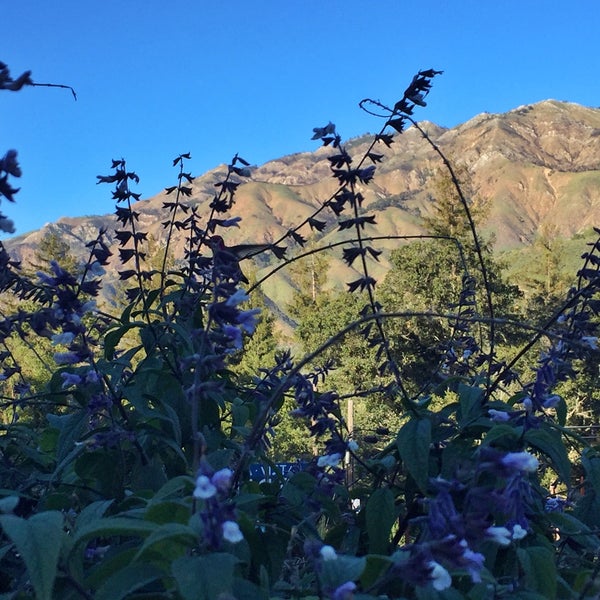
x=56, y=85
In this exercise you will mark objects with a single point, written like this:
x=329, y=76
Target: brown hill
x=534, y=166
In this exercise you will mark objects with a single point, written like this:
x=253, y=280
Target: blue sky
x=155, y=79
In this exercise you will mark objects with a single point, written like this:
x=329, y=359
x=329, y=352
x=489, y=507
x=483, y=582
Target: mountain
x=535, y=166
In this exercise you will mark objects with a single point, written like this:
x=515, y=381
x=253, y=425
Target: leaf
x=550, y=443
x=502, y=435
x=470, y=403
x=92, y=512
x=112, y=339
x=127, y=580
x=168, y=532
x=38, y=541
x=374, y=569
x=397, y=124
x=342, y=569
x=539, y=569
x=590, y=461
x=71, y=427
x=204, y=577
x=413, y=442
x=381, y=515
x=111, y=526
x=8, y=504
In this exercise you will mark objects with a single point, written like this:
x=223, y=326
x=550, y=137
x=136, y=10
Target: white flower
x=222, y=479
x=64, y=339
x=204, y=488
x=231, y=532
x=440, y=578
x=518, y=533
x=552, y=401
x=96, y=269
x=500, y=535
x=248, y=319
x=522, y=461
x=328, y=553
x=237, y=297
x=498, y=416
x=590, y=342
x=329, y=460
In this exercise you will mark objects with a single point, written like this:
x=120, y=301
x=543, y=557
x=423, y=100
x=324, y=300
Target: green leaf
x=540, y=570
x=341, y=569
x=112, y=339
x=176, y=532
x=413, y=441
x=502, y=436
x=174, y=487
x=111, y=526
x=381, y=515
x=8, y=504
x=376, y=566
x=561, y=412
x=470, y=400
x=590, y=461
x=169, y=511
x=204, y=577
x=550, y=443
x=127, y=580
x=92, y=512
x=99, y=469
x=38, y=541
x=571, y=527
x=71, y=427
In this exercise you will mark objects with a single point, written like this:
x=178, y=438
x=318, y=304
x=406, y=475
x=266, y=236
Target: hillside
x=535, y=166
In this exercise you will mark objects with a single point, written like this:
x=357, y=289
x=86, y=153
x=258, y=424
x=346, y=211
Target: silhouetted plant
x=139, y=484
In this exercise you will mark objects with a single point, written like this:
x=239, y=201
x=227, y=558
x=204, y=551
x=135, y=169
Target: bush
x=139, y=482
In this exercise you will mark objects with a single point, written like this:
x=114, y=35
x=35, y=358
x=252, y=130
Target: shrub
x=138, y=484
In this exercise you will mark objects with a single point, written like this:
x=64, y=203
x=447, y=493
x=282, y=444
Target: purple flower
x=344, y=591
x=554, y=504
x=552, y=401
x=472, y=561
x=237, y=297
x=70, y=379
x=498, y=416
x=7, y=225
x=66, y=358
x=9, y=164
x=63, y=339
x=247, y=319
x=92, y=376
x=234, y=335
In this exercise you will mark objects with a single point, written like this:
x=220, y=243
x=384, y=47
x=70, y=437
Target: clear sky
x=157, y=78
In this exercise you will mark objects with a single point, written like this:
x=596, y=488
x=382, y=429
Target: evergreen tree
x=309, y=276
x=53, y=246
x=439, y=276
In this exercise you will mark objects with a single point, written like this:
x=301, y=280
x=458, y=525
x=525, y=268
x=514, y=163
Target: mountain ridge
x=535, y=166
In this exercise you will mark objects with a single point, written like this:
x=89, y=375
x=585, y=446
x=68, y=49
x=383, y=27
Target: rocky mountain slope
x=534, y=166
